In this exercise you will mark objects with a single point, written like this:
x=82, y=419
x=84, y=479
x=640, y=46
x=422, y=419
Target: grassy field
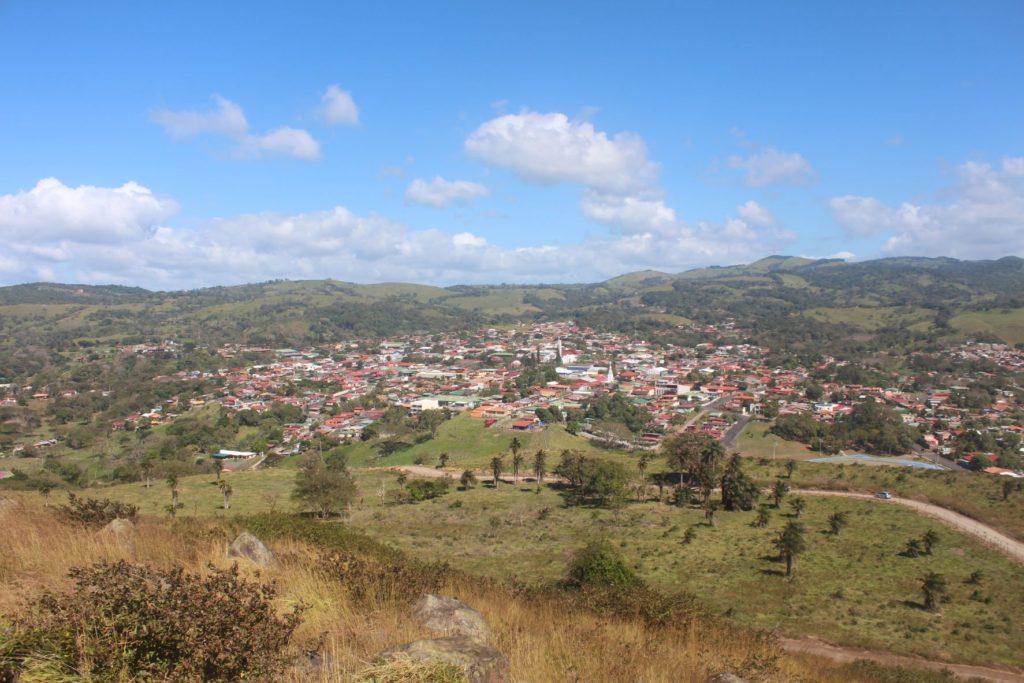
x=756, y=442
x=1008, y=325
x=254, y=491
x=470, y=444
x=976, y=495
x=855, y=588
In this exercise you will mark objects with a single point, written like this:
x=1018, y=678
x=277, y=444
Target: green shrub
x=123, y=621
x=96, y=511
x=598, y=564
x=426, y=489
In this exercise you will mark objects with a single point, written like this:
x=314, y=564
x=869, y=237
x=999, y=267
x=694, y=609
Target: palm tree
x=442, y=460
x=226, y=491
x=798, y=505
x=932, y=587
x=763, y=516
x=496, y=465
x=218, y=467
x=779, y=491
x=790, y=466
x=147, y=469
x=172, y=483
x=929, y=540
x=836, y=522
x=515, y=446
x=641, y=466
x=468, y=479
x=539, y=467
x=791, y=543
x=517, y=462
x=913, y=548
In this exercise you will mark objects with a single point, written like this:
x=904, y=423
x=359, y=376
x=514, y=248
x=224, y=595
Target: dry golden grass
x=543, y=640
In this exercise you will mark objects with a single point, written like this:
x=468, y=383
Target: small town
x=523, y=378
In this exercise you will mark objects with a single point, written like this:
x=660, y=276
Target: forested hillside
x=804, y=304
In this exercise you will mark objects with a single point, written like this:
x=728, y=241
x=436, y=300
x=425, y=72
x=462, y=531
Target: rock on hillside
x=451, y=617
x=480, y=662
x=251, y=548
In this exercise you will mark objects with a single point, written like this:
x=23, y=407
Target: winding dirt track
x=1012, y=548
x=837, y=653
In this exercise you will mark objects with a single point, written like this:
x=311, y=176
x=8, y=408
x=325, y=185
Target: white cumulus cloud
x=770, y=166
x=121, y=235
x=755, y=214
x=339, y=109
x=53, y=211
x=982, y=217
x=440, y=193
x=631, y=214
x=551, y=148
x=228, y=120
x=284, y=141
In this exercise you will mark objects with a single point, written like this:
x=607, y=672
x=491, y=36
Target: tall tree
x=697, y=457
x=779, y=491
x=933, y=586
x=328, y=489
x=791, y=543
x=739, y=492
x=496, y=466
x=517, y=462
x=641, y=466
x=226, y=491
x=929, y=541
x=515, y=446
x=539, y=467
x=172, y=484
x=218, y=467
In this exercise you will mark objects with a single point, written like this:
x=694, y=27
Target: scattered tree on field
x=837, y=521
x=496, y=466
x=791, y=543
x=539, y=467
x=933, y=587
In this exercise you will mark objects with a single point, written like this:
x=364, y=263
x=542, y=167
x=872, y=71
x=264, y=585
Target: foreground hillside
x=356, y=595
x=856, y=588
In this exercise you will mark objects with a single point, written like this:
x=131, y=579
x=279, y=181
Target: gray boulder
x=122, y=532
x=451, y=617
x=480, y=662
x=251, y=548
x=725, y=677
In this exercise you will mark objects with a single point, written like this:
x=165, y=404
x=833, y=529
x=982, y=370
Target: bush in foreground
x=123, y=621
x=96, y=511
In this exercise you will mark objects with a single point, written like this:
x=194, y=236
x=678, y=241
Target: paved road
x=838, y=653
x=1011, y=547
x=733, y=433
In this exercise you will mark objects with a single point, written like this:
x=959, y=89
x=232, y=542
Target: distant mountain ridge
x=785, y=299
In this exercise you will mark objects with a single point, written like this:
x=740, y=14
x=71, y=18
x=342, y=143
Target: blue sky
x=184, y=144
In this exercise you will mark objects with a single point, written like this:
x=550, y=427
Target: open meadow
x=853, y=588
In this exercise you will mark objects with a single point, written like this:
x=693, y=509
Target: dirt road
x=1014, y=549
x=838, y=653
